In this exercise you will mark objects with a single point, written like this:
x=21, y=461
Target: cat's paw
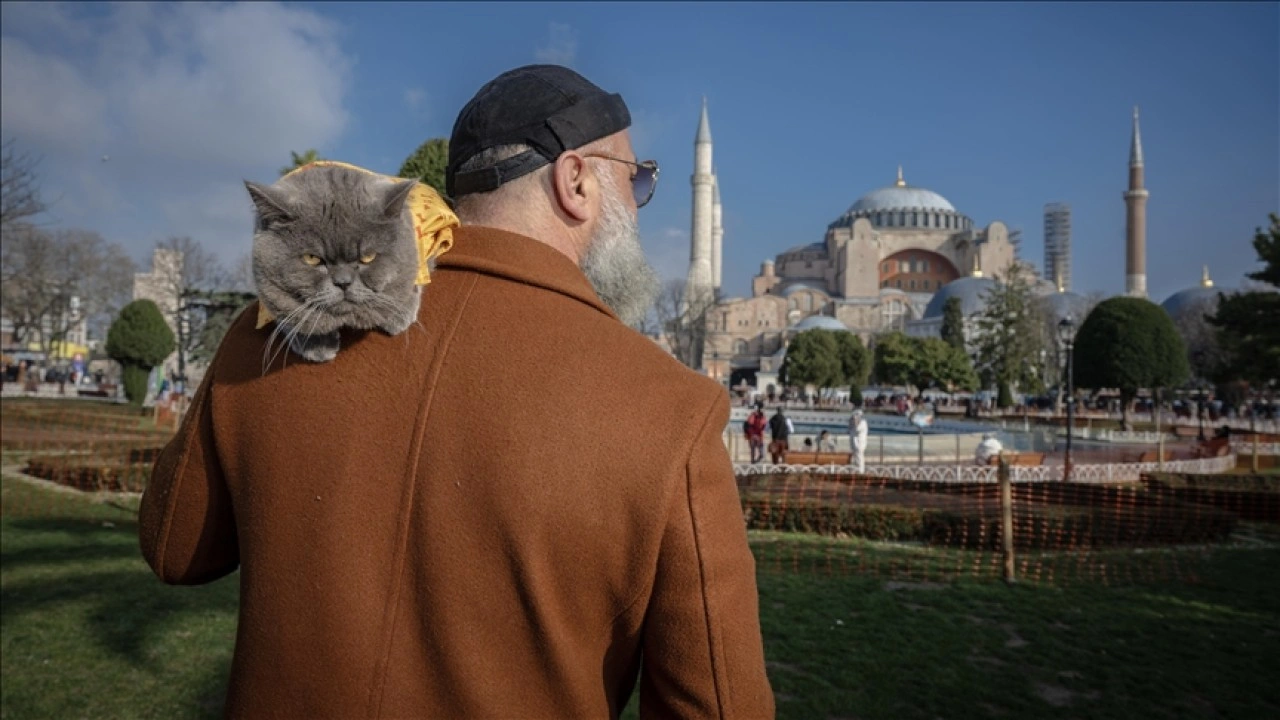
x=316, y=348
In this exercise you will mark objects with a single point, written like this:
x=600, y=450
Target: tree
x=1248, y=333
x=940, y=364
x=139, y=340
x=218, y=310
x=953, y=323
x=950, y=366
x=683, y=325
x=19, y=187
x=298, y=161
x=813, y=358
x=1008, y=339
x=895, y=359
x=51, y=281
x=195, y=274
x=855, y=363
x=427, y=163
x=1129, y=344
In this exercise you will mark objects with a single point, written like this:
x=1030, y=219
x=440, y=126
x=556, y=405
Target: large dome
x=970, y=290
x=901, y=197
x=903, y=206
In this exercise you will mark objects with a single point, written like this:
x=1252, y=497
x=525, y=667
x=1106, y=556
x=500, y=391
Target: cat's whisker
x=267, y=359
x=290, y=328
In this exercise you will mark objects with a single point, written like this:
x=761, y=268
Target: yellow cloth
x=433, y=224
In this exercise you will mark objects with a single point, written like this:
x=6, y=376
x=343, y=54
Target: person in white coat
x=989, y=447
x=858, y=439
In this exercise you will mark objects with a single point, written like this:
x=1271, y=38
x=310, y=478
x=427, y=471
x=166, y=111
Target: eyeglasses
x=643, y=182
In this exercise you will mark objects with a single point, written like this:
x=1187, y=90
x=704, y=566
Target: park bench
x=1151, y=456
x=800, y=457
x=1217, y=447
x=1023, y=459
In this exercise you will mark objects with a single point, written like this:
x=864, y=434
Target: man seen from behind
x=391, y=564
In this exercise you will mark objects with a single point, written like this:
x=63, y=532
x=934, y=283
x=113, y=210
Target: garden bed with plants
x=111, y=472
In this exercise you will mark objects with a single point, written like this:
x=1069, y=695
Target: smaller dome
x=1202, y=298
x=1062, y=304
x=818, y=322
x=970, y=290
x=798, y=286
x=816, y=247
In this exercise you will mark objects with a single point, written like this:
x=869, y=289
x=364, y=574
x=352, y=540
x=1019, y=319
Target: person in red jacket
x=754, y=428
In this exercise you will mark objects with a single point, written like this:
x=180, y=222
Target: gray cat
x=334, y=248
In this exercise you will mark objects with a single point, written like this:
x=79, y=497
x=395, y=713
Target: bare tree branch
x=682, y=321
x=52, y=281
x=19, y=186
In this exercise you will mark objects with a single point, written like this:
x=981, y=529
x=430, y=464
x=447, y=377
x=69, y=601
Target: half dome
x=970, y=290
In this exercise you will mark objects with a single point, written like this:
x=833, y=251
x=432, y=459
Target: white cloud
x=186, y=99
x=561, y=47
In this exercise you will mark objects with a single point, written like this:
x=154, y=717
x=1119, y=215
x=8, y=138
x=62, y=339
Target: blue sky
x=999, y=107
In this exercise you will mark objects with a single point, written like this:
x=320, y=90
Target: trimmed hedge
x=1059, y=528
x=1252, y=497
x=1225, y=483
x=874, y=522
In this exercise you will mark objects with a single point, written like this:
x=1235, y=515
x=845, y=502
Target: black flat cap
x=548, y=107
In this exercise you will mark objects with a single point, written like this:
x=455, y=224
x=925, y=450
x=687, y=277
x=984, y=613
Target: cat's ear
x=393, y=200
x=269, y=203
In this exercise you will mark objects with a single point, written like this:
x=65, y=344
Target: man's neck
x=559, y=239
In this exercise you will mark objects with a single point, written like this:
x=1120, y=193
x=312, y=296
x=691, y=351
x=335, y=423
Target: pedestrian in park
x=858, y=431
x=780, y=429
x=826, y=443
x=754, y=428
x=391, y=565
x=989, y=448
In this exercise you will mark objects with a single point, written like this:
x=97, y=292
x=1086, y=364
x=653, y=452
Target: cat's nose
x=342, y=277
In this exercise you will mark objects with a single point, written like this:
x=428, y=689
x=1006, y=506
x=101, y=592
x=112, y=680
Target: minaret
x=717, y=234
x=1135, y=199
x=1205, y=280
x=700, y=276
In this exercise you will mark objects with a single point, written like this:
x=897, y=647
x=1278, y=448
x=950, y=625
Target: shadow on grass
x=90, y=540
x=128, y=606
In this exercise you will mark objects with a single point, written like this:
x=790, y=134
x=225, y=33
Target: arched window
x=740, y=347
x=792, y=304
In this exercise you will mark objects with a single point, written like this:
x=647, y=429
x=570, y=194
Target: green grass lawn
x=87, y=631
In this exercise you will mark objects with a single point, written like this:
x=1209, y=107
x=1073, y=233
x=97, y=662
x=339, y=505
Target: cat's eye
x=368, y=258
x=310, y=259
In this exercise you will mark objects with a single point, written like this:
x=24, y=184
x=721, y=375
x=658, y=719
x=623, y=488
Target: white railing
x=1085, y=473
x=1245, y=447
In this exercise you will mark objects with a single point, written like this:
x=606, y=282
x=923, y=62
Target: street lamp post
x=1067, y=335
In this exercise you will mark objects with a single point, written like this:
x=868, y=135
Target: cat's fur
x=339, y=215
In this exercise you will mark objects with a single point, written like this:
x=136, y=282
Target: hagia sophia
x=889, y=262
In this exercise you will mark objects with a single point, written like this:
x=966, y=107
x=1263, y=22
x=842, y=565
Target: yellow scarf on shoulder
x=433, y=224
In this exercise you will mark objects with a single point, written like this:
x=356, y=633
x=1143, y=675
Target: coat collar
x=520, y=258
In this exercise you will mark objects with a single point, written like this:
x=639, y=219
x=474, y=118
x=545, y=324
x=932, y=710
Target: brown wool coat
x=498, y=514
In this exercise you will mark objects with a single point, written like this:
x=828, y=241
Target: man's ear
x=573, y=185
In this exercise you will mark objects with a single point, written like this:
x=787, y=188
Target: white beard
x=615, y=264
